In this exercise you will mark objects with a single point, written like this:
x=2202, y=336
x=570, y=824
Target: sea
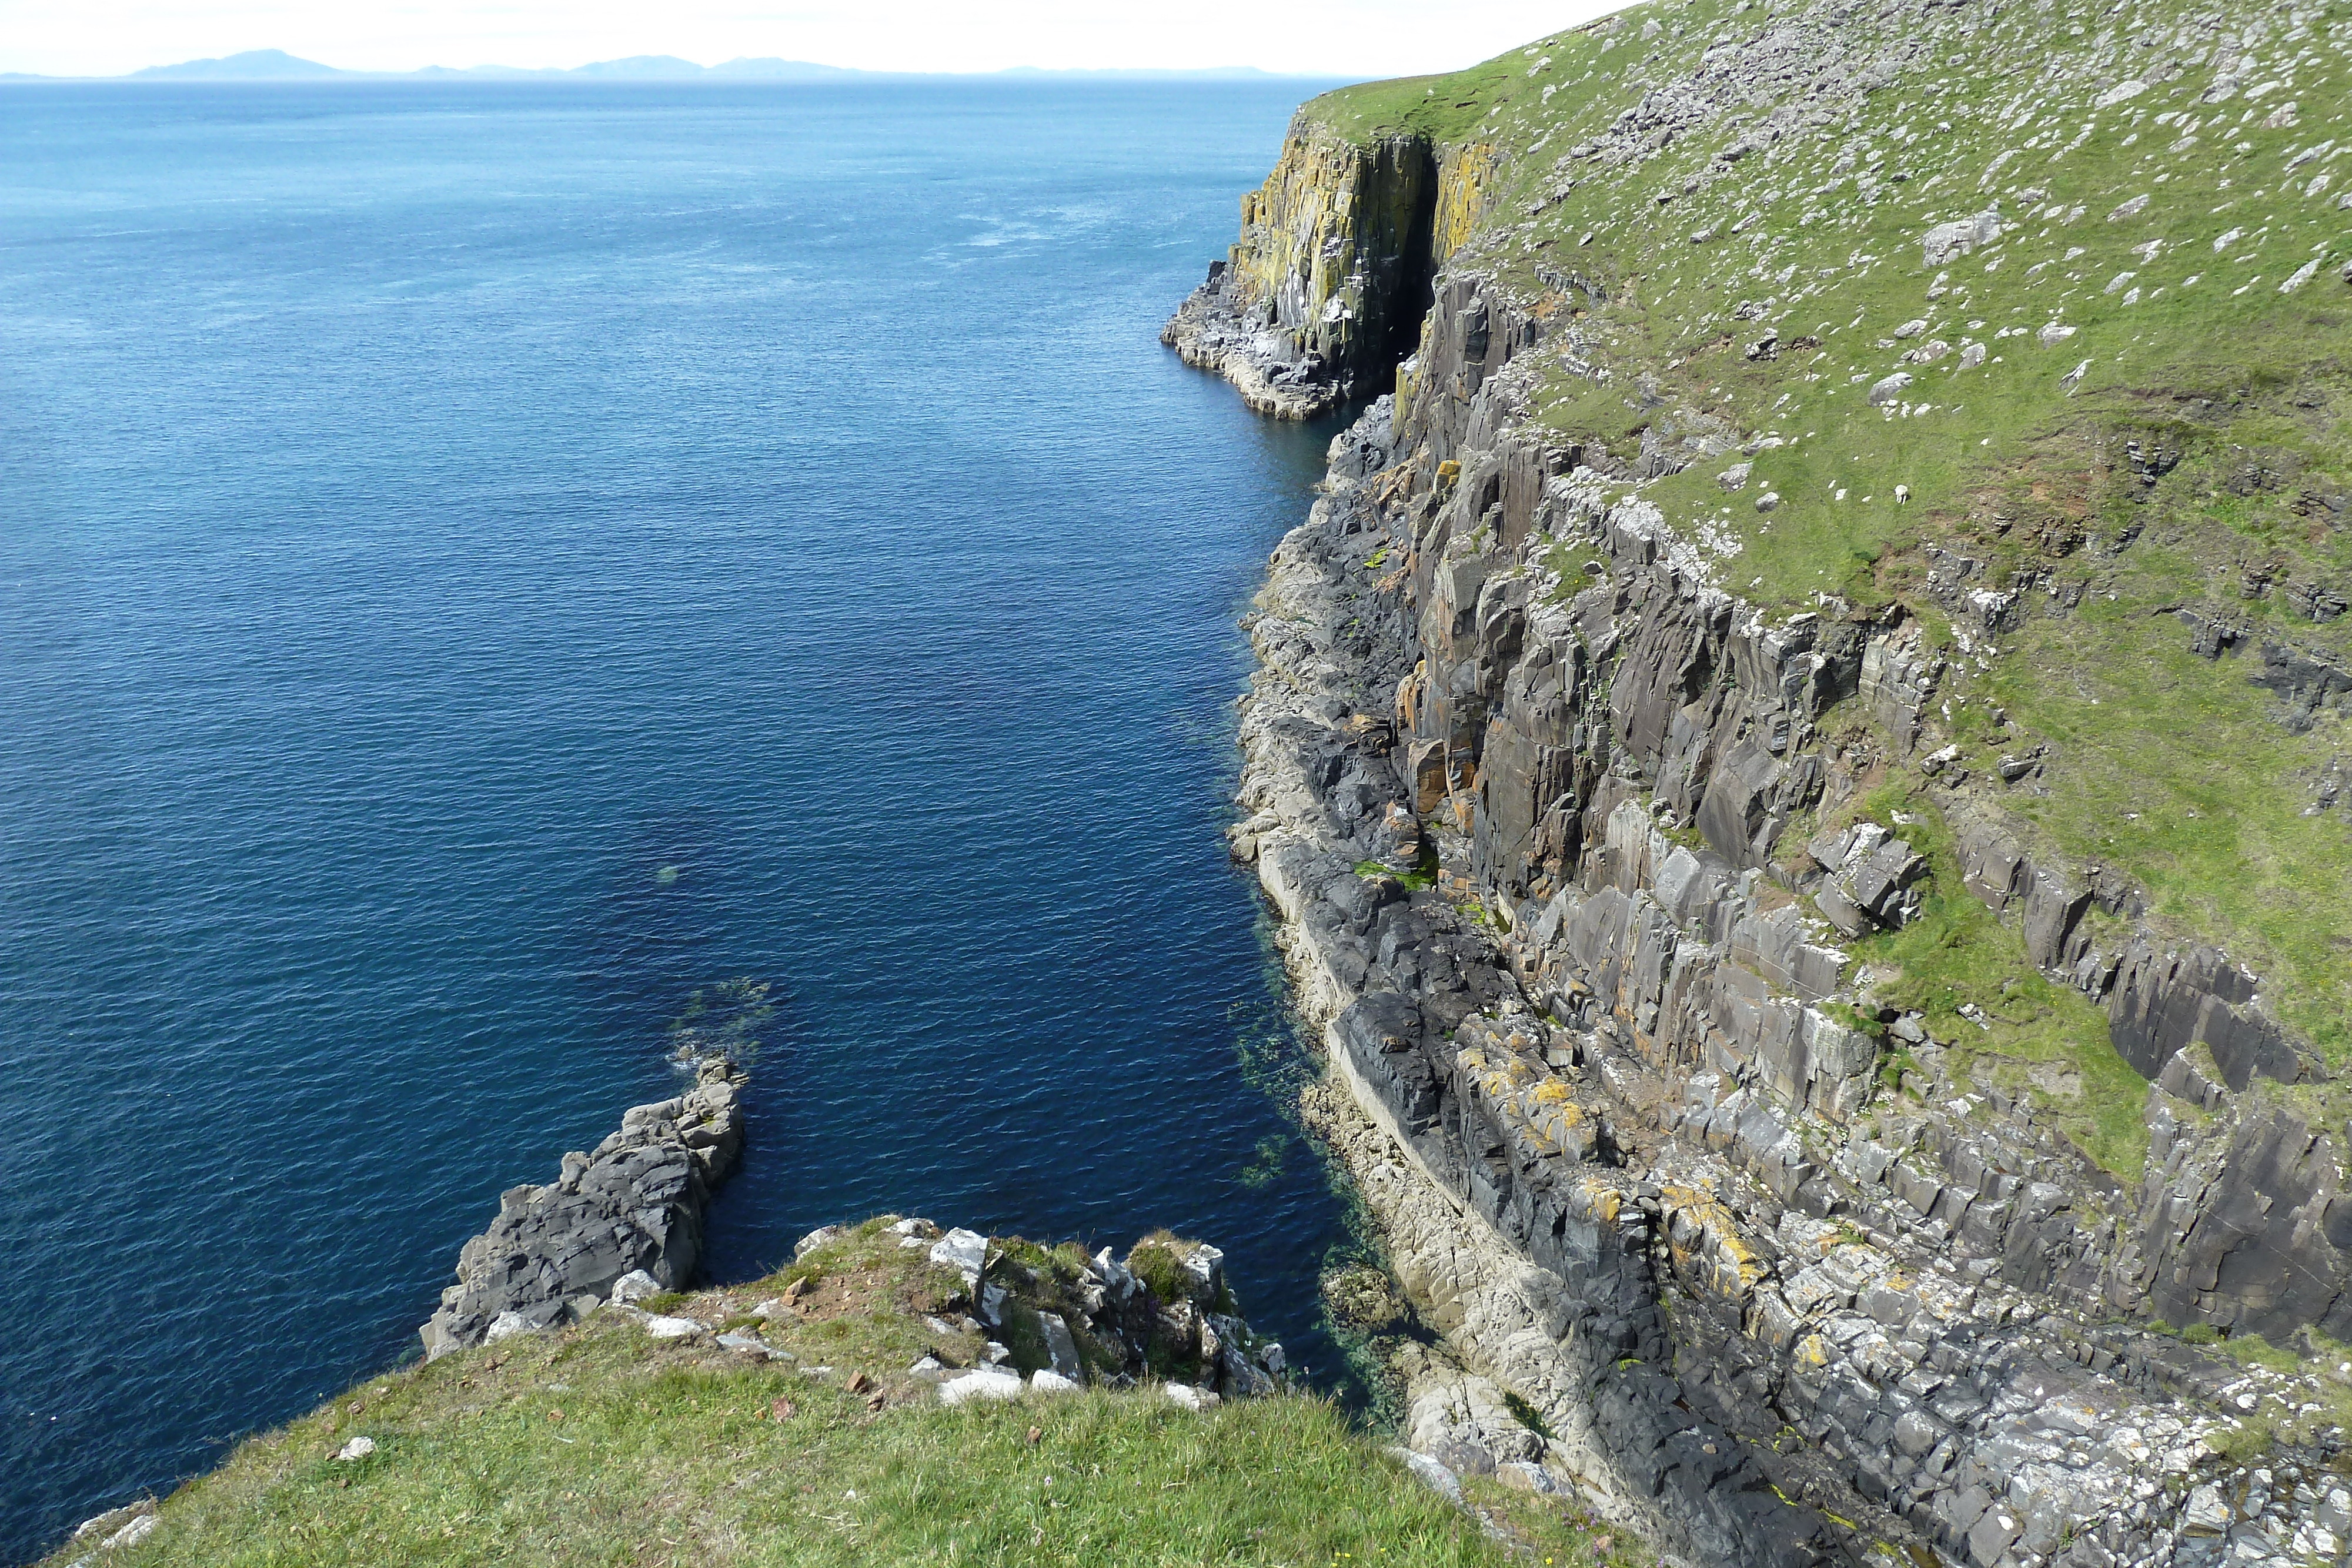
x=499, y=581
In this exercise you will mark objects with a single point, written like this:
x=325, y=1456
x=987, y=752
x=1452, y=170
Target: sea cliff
x=1811, y=926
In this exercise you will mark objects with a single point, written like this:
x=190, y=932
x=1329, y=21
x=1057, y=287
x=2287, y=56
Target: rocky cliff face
x=1745, y=1079
x=1320, y=297
x=632, y=1205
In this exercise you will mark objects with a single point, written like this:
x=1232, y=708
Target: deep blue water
x=482, y=565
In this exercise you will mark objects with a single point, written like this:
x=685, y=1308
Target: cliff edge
x=1799, y=759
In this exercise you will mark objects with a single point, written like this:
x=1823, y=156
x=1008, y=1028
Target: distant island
x=276, y=65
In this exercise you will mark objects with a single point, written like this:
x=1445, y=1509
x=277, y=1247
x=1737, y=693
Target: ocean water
x=493, y=574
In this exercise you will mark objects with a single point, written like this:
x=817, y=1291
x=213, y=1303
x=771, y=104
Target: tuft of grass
x=1156, y=1264
x=1528, y=1415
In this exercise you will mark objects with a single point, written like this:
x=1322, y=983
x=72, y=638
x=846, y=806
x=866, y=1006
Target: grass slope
x=598, y=1446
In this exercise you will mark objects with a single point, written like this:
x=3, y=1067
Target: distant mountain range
x=276, y=65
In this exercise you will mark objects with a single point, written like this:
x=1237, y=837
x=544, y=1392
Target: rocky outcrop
x=633, y=1204
x=1061, y=1320
x=1780, y=1276
x=1325, y=290
x=1610, y=1096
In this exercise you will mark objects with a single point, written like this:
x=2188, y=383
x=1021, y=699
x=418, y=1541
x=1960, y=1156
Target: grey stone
x=965, y=1251
x=634, y=1287
x=982, y=1383
x=1062, y=1347
x=1959, y=237
x=633, y=1204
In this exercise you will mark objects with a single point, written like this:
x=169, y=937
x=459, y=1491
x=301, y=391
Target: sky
x=1321, y=37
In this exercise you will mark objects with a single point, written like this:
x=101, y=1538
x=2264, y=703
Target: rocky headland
x=1800, y=1144
x=633, y=1206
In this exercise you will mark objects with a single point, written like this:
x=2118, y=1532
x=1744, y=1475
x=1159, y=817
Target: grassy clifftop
x=2031, y=317
x=602, y=1444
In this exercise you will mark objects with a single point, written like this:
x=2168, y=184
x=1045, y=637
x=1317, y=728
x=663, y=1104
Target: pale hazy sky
x=1339, y=37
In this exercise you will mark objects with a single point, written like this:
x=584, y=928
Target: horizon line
x=272, y=66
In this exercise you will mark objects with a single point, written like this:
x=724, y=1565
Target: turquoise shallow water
x=481, y=566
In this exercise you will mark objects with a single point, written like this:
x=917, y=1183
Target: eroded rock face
x=634, y=1203
x=1607, y=1089
x=1325, y=290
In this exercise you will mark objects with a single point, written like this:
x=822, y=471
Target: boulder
x=985, y=1383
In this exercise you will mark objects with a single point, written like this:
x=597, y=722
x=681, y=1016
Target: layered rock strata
x=1782, y=1280
x=1632, y=1166
x=633, y=1204
x=1320, y=299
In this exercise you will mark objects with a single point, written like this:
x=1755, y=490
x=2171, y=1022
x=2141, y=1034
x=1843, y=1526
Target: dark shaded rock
x=634, y=1203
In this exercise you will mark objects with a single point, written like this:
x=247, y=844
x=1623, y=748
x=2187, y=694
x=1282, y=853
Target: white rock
x=141, y=1528
x=2302, y=276
x=1889, y=390
x=1946, y=241
x=2206, y=1513
x=1911, y=329
x=634, y=1287
x=986, y=1384
x=1044, y=1382
x=1189, y=1397
x=1203, y=1262
x=749, y=1345
x=659, y=1327
x=1523, y=1475
x=2053, y=332
x=2067, y=382
x=505, y=1325
x=1972, y=356
x=1768, y=501
x=1736, y=476
x=1432, y=1474
x=357, y=1448
x=964, y=1250
x=813, y=1240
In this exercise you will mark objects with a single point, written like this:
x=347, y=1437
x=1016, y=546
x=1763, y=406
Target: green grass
x=1446, y=108
x=2044, y=1038
x=2173, y=766
x=595, y=1445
